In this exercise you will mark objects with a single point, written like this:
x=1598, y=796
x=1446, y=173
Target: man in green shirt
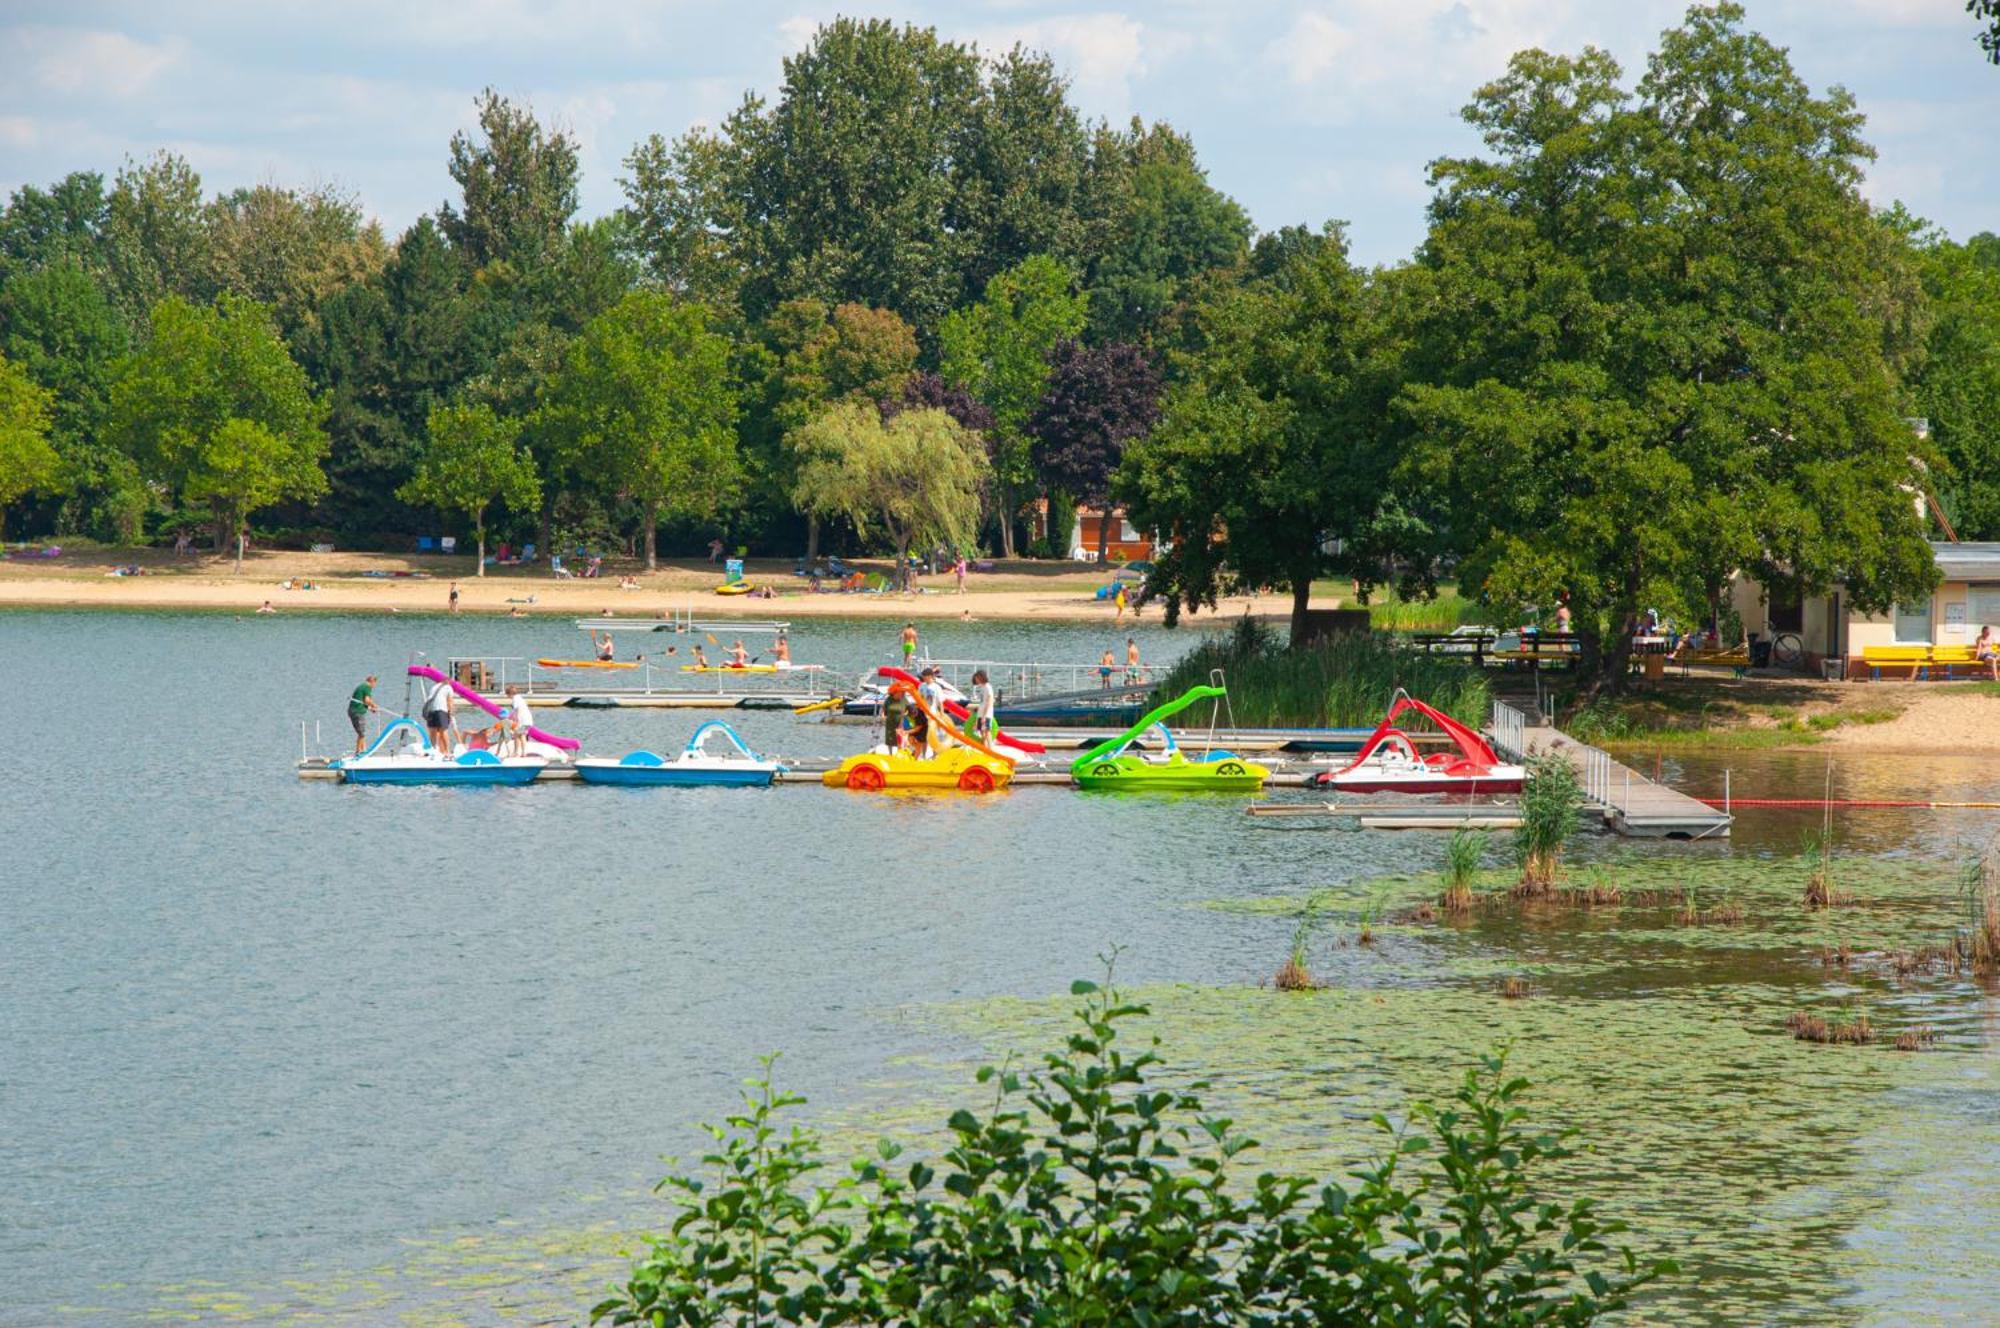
x=358, y=706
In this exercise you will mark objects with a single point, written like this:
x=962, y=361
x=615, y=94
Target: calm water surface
x=258, y=1030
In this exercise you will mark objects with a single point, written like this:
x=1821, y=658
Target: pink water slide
x=539, y=735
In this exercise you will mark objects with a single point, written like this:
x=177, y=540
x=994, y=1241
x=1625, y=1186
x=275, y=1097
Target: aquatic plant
x=1371, y=913
x=1293, y=975
x=1515, y=988
x=1853, y=1030
x=1462, y=853
x=1345, y=680
x=1551, y=800
x=1980, y=941
x=1690, y=911
x=1448, y=610
x=1816, y=846
x=1083, y=1193
x=1915, y=1039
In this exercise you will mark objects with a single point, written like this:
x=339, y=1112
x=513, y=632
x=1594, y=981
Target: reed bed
x=1853, y=1030
x=1448, y=610
x=1343, y=681
x=1461, y=864
x=1980, y=941
x=1293, y=974
x=1551, y=801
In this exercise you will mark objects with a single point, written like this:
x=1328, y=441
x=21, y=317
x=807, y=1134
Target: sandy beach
x=387, y=583
x=1940, y=717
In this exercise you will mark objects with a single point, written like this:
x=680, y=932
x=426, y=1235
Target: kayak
x=751, y=668
x=734, y=588
x=586, y=664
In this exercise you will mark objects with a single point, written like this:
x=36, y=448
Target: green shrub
x=1085, y=1194
x=1346, y=680
x=1551, y=801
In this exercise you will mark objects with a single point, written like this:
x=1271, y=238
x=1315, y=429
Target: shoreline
x=390, y=584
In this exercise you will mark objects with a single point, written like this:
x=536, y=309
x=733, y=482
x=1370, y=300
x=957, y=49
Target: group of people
x=1108, y=664
x=440, y=718
x=909, y=728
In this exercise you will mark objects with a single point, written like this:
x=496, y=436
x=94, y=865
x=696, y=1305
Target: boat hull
x=955, y=769
x=441, y=772
x=742, y=775
x=1175, y=775
x=1370, y=782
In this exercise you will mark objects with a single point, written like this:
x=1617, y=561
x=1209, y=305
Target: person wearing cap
x=358, y=706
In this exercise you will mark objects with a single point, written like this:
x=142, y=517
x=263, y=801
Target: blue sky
x=1302, y=111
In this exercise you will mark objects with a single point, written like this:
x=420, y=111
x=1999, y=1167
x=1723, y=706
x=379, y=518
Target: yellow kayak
x=729, y=668
x=734, y=588
x=585, y=664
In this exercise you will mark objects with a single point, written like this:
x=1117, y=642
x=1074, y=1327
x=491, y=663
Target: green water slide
x=1110, y=766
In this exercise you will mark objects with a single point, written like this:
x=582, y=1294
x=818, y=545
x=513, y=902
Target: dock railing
x=1509, y=731
x=1026, y=682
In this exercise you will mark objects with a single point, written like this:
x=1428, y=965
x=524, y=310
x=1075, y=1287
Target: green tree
x=65, y=221
x=180, y=402
x=471, y=462
x=916, y=477
x=58, y=323
x=387, y=351
x=1660, y=340
x=821, y=356
x=1987, y=12
x=290, y=250
x=998, y=350
x=643, y=408
x=1957, y=387
x=1271, y=463
x=27, y=462
x=518, y=183
x=156, y=236
x=1170, y=226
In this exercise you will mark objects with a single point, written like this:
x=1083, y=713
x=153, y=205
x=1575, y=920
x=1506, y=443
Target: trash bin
x=1760, y=653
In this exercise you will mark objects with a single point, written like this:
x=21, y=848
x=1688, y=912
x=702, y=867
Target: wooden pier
x=1630, y=803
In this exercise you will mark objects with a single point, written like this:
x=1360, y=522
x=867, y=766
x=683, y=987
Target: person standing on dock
x=1105, y=667
x=909, y=644
x=982, y=706
x=1132, y=669
x=358, y=706
x=893, y=709
x=437, y=716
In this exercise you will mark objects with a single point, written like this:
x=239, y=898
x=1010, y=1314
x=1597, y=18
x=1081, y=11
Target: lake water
x=273, y=1050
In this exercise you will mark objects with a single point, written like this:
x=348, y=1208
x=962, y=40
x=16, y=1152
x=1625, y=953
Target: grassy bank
x=1345, y=681
x=1708, y=714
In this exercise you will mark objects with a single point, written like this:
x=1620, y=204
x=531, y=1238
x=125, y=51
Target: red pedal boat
x=1390, y=763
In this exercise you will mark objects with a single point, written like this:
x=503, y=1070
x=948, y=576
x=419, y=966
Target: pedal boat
x=736, y=766
x=1115, y=765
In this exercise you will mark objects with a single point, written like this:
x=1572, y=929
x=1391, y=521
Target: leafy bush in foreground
x=1085, y=1195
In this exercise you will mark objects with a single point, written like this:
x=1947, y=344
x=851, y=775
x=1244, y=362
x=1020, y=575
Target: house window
x=1913, y=623
x=1982, y=607
x=1127, y=532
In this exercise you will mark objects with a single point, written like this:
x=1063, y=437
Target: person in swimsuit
x=1986, y=651
x=700, y=657
x=739, y=658
x=909, y=643
x=454, y=597
x=605, y=647
x=1132, y=669
x=1105, y=667
x=781, y=650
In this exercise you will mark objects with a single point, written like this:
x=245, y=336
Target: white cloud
x=1101, y=52
x=18, y=131
x=73, y=62
x=1311, y=48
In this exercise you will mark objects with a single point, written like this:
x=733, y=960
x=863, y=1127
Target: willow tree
x=916, y=476
x=1659, y=341
x=644, y=408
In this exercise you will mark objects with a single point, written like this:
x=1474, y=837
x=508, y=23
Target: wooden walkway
x=1631, y=803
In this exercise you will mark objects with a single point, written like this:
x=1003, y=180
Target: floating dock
x=1630, y=803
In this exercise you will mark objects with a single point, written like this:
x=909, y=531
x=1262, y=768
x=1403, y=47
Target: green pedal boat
x=1112, y=765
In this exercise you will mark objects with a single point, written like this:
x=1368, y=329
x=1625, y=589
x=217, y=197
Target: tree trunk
x=239, y=550
x=812, y=538
x=1302, y=589
x=479, y=537
x=1006, y=506
x=652, y=535
x=223, y=527
x=1103, y=530
x=902, y=562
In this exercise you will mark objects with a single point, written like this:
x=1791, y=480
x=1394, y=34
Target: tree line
x=1653, y=335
